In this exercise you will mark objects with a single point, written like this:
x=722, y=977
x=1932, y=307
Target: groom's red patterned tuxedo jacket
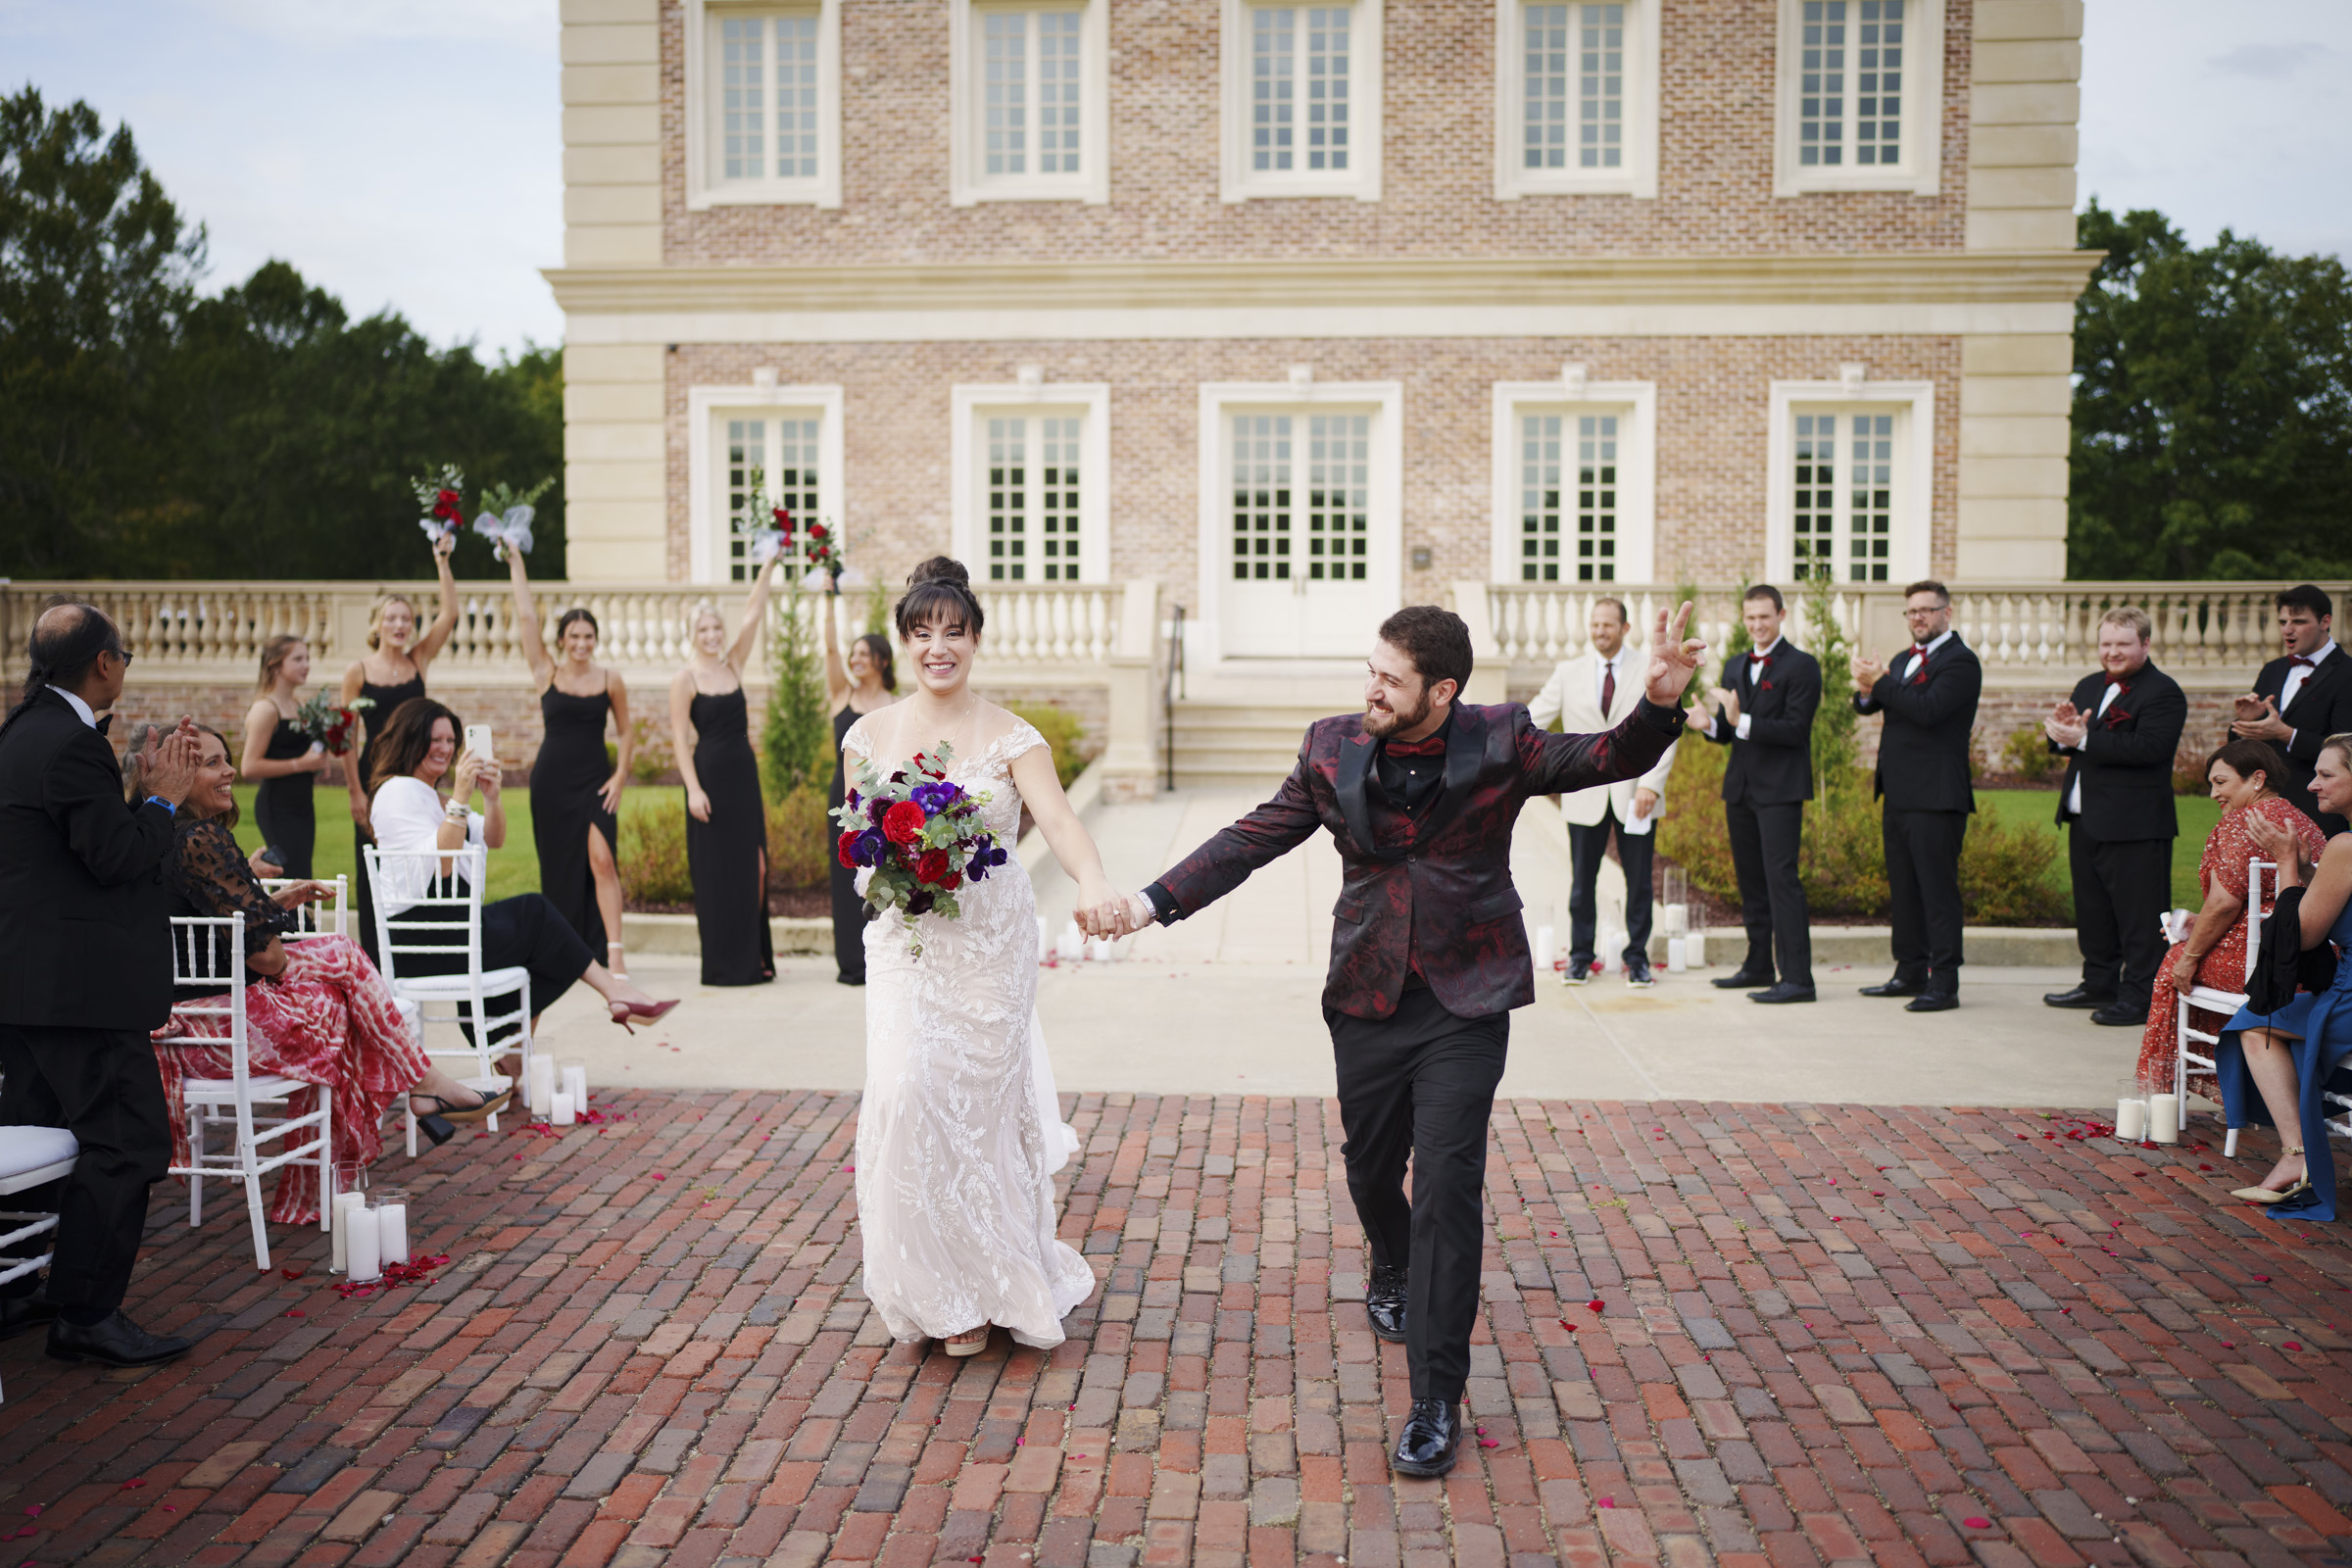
x=1434, y=889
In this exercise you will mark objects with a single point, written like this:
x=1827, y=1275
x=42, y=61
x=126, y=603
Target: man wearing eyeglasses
x=1928, y=694
x=85, y=972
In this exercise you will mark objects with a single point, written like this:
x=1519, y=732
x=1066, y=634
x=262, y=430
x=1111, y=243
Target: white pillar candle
x=2131, y=1121
x=1678, y=955
x=363, y=1252
x=1674, y=920
x=1072, y=946
x=2164, y=1118
x=562, y=1109
x=392, y=1231
x=339, y=1229
x=1543, y=945
x=575, y=1084
x=542, y=1085
x=1695, y=949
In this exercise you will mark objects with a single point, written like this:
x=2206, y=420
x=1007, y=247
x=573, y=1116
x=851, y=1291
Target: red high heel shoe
x=624, y=1011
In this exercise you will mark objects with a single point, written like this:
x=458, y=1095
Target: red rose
x=816, y=530
x=932, y=867
x=842, y=853
x=904, y=822
x=952, y=881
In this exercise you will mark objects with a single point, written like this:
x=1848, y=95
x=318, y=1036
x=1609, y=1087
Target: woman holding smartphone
x=285, y=760
x=575, y=791
x=726, y=819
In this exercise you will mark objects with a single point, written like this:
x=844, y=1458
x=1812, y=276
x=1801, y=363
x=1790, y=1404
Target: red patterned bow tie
x=1921, y=652
x=1760, y=661
x=1431, y=746
x=2125, y=681
x=2298, y=658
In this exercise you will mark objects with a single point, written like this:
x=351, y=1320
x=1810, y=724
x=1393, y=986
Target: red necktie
x=1430, y=746
x=1608, y=688
x=1918, y=664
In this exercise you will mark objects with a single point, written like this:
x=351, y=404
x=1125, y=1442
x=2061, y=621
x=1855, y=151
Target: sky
x=408, y=153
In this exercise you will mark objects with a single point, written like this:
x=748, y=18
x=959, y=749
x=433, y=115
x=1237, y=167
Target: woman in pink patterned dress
x=317, y=1010
x=2214, y=953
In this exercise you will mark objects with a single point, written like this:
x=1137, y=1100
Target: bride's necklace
x=949, y=731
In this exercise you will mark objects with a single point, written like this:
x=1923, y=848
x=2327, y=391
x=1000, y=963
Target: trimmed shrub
x=2027, y=755
x=653, y=851
x=800, y=841
x=1062, y=732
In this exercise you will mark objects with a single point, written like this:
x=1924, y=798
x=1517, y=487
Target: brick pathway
x=1824, y=1335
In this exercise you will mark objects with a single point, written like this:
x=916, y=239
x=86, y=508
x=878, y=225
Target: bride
x=959, y=1135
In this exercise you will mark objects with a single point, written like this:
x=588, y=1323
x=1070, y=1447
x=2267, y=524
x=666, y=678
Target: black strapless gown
x=727, y=855
x=566, y=782
x=287, y=809
x=372, y=724
x=849, y=909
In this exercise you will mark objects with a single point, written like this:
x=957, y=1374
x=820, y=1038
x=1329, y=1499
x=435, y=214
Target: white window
x=1301, y=92
x=750, y=450
x=1029, y=87
x=1576, y=99
x=1031, y=498
x=1861, y=89
x=1574, y=480
x=1302, y=497
x=1852, y=464
x=764, y=104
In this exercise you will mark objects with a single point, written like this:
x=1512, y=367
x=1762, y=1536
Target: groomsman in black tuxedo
x=2302, y=696
x=1928, y=695
x=85, y=972
x=1764, y=711
x=2119, y=732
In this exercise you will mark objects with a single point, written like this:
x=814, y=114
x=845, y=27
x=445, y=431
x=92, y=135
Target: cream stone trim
x=702, y=191
x=1920, y=173
x=1639, y=176
x=966, y=148
x=1909, y=558
x=971, y=403
x=706, y=516
x=1238, y=182
x=1635, y=403
x=1383, y=400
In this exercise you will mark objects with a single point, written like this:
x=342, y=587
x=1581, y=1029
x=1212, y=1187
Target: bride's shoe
x=971, y=1342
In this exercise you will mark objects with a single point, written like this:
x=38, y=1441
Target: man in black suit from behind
x=2302, y=696
x=1927, y=694
x=2119, y=732
x=86, y=973
x=1764, y=711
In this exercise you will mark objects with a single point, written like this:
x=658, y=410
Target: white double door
x=1306, y=532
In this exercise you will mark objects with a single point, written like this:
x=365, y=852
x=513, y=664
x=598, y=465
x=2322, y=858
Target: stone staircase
x=1245, y=731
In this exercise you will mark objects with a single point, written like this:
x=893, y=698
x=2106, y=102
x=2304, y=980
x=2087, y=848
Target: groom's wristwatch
x=1164, y=911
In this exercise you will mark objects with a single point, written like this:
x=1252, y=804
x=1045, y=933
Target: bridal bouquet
x=769, y=528
x=920, y=835
x=442, y=495
x=329, y=722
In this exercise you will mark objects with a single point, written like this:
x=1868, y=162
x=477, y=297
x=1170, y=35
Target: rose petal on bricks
x=1974, y=1522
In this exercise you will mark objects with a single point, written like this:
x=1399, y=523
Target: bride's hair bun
x=939, y=589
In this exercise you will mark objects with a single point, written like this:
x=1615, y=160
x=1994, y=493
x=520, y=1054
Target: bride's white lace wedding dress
x=959, y=1133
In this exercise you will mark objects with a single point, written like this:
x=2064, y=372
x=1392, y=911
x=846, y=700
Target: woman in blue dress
x=2291, y=1054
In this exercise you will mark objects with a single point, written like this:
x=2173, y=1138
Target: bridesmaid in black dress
x=286, y=761
x=575, y=792
x=388, y=674
x=726, y=819
x=869, y=681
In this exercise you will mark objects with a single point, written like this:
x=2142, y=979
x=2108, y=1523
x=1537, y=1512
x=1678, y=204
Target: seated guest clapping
x=413, y=754
x=2245, y=777
x=317, y=1012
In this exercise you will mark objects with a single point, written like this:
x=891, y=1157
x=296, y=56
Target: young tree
x=2212, y=409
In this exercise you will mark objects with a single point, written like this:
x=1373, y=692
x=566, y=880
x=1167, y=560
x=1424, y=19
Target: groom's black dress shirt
x=1411, y=782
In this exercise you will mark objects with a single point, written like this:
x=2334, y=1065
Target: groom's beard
x=1382, y=722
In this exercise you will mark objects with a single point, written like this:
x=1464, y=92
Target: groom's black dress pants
x=104, y=1086
x=1421, y=1084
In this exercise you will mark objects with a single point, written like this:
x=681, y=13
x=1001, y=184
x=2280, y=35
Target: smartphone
x=477, y=741
x=273, y=856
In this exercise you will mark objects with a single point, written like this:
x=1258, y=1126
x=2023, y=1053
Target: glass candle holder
x=2131, y=1110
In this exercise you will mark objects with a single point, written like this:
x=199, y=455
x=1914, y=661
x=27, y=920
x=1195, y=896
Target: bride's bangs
x=938, y=606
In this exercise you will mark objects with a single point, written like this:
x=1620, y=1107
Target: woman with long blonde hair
x=726, y=819
x=388, y=674
x=285, y=760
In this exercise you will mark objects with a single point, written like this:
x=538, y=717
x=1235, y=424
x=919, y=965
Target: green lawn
x=512, y=869
x=2038, y=808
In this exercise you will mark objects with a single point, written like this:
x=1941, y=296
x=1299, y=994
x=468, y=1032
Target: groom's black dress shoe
x=2078, y=997
x=1384, y=1303
x=2116, y=1015
x=1744, y=976
x=1896, y=987
x=117, y=1342
x=1933, y=1002
x=21, y=1314
x=1432, y=1437
x=1786, y=990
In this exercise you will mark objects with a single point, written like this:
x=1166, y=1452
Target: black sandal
x=490, y=1105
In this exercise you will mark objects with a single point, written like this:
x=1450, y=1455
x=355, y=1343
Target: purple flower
x=876, y=807
x=869, y=848
x=921, y=902
x=935, y=798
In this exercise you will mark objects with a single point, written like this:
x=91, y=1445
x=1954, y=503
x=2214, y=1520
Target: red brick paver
x=1824, y=1334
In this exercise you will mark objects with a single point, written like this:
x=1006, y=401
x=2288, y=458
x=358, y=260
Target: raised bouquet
x=919, y=834
x=442, y=495
x=329, y=722
x=769, y=528
x=507, y=513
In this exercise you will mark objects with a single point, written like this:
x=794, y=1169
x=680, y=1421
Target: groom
x=1428, y=955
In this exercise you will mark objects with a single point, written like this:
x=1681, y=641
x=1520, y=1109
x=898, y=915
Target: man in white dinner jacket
x=1593, y=693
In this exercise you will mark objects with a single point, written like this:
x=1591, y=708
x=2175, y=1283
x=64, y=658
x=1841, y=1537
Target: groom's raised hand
x=1673, y=659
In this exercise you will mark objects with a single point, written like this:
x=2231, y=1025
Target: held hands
x=2065, y=726
x=698, y=806
x=1102, y=912
x=1673, y=659
x=2258, y=720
